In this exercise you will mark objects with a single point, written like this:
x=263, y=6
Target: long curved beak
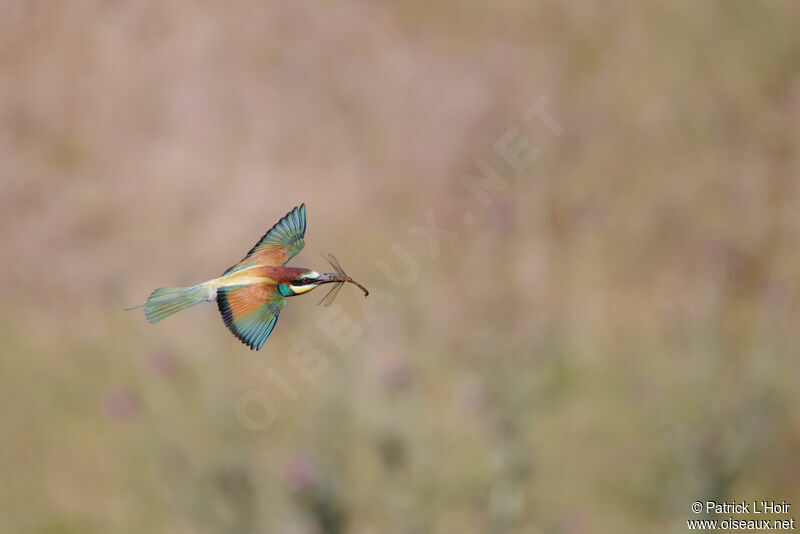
x=327, y=278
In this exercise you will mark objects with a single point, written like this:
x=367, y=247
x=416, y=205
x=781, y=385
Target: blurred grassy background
x=615, y=337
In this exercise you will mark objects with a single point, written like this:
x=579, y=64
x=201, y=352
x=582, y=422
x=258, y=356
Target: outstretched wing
x=280, y=244
x=251, y=311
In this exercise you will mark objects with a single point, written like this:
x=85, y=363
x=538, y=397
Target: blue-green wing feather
x=280, y=244
x=254, y=327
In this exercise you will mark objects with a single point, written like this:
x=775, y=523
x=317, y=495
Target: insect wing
x=331, y=295
x=335, y=263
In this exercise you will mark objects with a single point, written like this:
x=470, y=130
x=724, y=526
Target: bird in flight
x=252, y=293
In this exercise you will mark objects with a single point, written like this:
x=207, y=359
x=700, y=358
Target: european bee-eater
x=252, y=293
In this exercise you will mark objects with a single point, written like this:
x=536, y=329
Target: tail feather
x=166, y=301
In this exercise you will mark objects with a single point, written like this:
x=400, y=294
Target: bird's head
x=302, y=284
x=308, y=280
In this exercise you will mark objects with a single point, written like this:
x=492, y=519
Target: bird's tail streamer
x=166, y=301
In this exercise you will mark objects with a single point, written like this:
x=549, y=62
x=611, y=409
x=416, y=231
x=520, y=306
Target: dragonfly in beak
x=339, y=278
